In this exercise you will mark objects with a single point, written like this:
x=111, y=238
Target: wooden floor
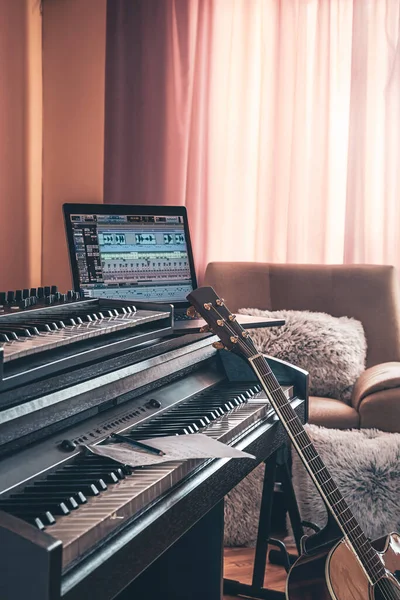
x=238, y=564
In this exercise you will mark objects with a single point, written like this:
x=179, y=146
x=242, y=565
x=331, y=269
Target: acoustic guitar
x=339, y=562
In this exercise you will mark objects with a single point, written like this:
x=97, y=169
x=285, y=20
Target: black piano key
x=95, y=459
x=19, y=330
x=40, y=325
x=9, y=333
x=94, y=469
x=44, y=516
x=87, y=489
x=38, y=522
x=70, y=501
x=55, y=508
x=77, y=478
x=109, y=476
x=52, y=494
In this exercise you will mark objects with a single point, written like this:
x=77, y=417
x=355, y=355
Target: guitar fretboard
x=318, y=471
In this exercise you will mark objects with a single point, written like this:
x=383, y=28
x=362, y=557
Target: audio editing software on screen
x=132, y=257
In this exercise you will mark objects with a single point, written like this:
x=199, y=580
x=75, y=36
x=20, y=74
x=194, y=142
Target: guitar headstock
x=221, y=321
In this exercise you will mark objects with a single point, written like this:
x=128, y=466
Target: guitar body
x=336, y=574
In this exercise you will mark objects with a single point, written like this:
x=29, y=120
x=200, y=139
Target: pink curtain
x=277, y=123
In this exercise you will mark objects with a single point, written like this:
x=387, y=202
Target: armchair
x=368, y=293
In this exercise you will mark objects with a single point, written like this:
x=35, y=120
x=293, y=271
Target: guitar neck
x=317, y=470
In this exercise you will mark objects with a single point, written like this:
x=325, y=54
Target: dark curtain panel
x=135, y=97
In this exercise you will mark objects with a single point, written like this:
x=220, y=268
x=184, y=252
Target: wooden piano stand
x=192, y=569
x=276, y=465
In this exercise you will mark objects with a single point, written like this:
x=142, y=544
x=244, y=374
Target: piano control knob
x=153, y=403
x=67, y=445
x=54, y=289
x=40, y=292
x=24, y=303
x=3, y=297
x=18, y=295
x=10, y=297
x=47, y=290
x=25, y=293
x=33, y=292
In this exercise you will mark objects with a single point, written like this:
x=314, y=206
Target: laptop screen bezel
x=124, y=209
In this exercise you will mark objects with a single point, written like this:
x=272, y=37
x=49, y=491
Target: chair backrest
x=369, y=293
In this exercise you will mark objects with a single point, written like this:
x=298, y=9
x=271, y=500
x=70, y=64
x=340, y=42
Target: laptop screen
x=130, y=252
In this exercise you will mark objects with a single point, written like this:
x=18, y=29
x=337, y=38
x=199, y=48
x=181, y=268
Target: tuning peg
x=192, y=312
x=220, y=301
x=205, y=329
x=219, y=346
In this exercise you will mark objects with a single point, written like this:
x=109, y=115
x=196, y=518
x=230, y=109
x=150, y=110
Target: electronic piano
x=75, y=525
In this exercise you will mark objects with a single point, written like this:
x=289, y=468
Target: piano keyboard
x=39, y=332
x=90, y=496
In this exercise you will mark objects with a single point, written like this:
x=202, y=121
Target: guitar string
x=393, y=593
x=378, y=566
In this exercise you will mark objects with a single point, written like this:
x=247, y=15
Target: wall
x=73, y=133
x=20, y=143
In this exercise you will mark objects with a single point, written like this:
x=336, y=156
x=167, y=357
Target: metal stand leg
x=256, y=589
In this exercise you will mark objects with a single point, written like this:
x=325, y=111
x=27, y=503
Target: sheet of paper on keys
x=175, y=447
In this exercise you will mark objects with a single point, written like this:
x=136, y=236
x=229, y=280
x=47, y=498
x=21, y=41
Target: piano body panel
x=76, y=401
x=191, y=569
x=130, y=552
x=30, y=561
x=81, y=373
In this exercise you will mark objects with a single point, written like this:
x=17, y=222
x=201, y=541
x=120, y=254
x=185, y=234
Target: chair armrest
x=376, y=379
x=376, y=396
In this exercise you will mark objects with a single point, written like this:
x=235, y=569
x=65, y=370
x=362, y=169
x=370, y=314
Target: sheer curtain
x=276, y=122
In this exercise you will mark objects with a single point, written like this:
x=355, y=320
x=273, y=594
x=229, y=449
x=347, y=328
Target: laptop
x=132, y=252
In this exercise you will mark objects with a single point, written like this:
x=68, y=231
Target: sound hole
x=386, y=589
